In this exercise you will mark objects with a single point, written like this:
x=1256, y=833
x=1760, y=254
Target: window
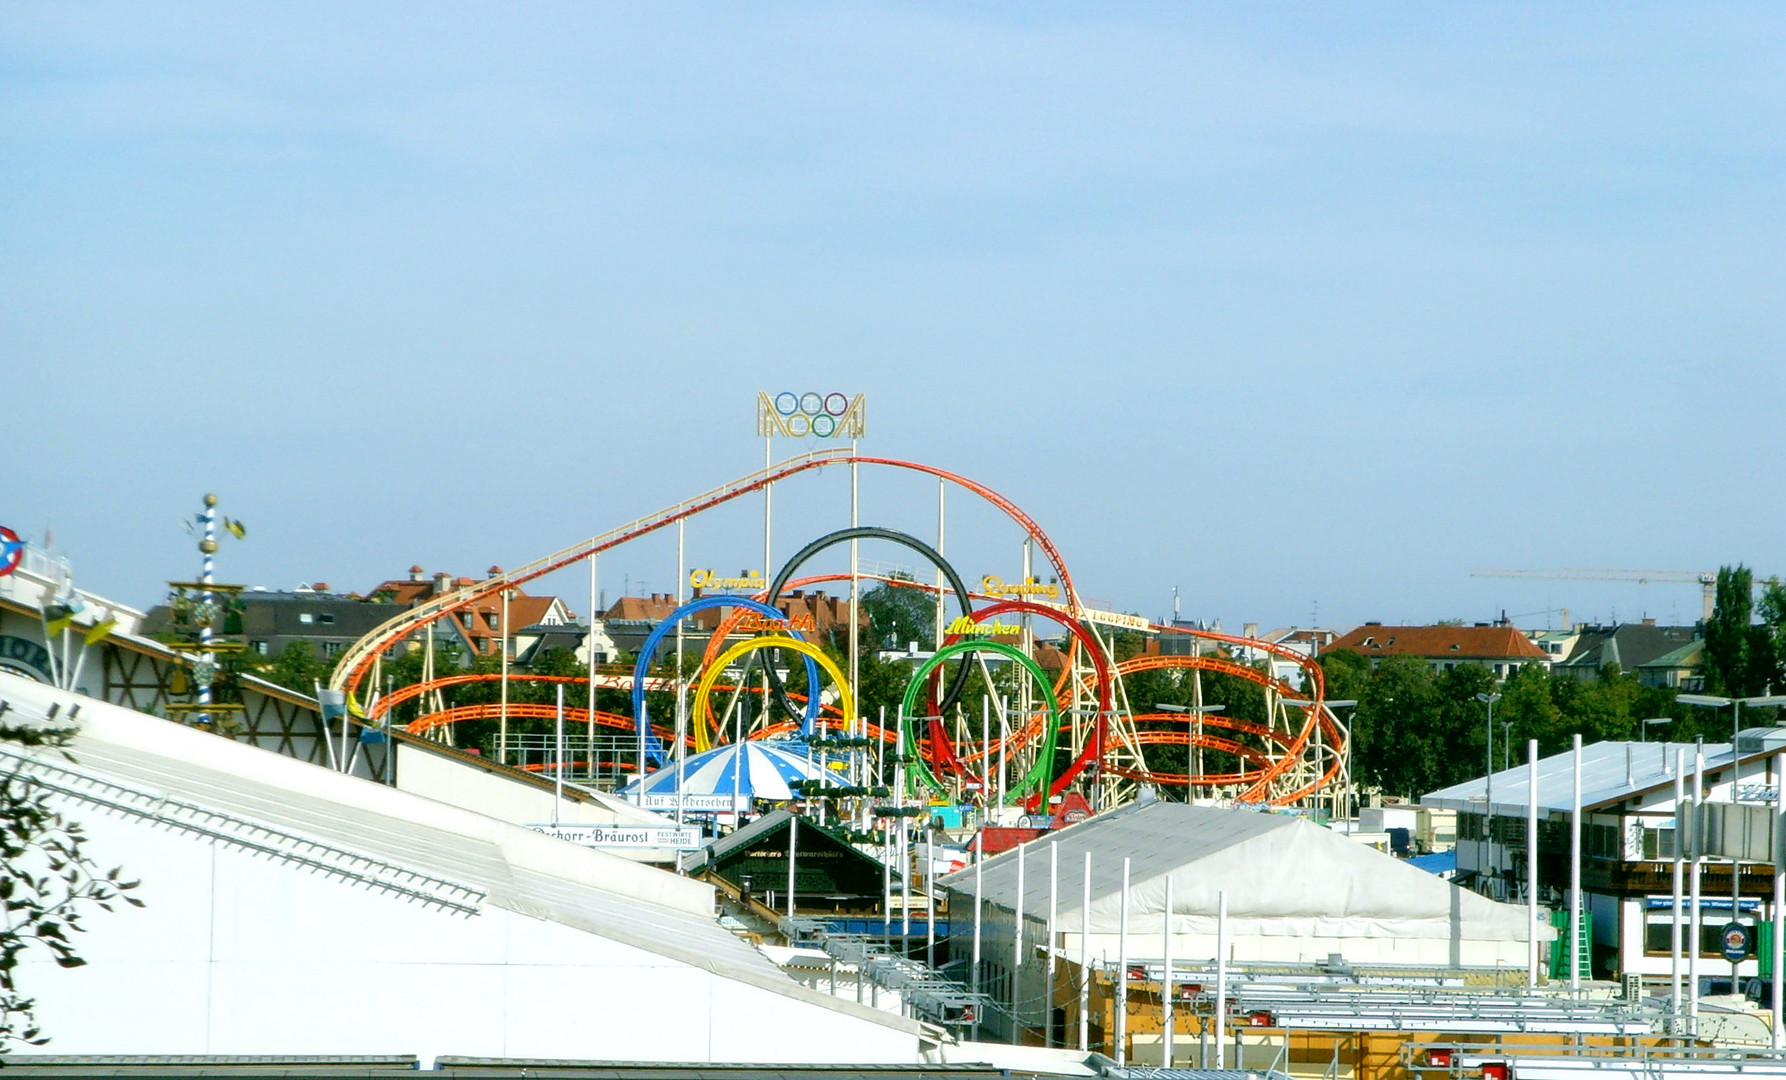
x=332, y=648
x=465, y=619
x=1658, y=933
x=493, y=619
x=260, y=647
x=1658, y=843
x=325, y=617
x=306, y=617
x=1602, y=842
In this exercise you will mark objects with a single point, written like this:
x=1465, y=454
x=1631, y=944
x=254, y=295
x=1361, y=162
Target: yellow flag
x=58, y=624
x=99, y=631
x=354, y=709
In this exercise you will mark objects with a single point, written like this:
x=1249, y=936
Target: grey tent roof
x=1277, y=870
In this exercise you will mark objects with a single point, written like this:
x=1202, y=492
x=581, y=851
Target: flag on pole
x=99, y=631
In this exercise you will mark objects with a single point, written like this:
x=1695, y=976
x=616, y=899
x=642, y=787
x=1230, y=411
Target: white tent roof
x=384, y=839
x=1610, y=772
x=1284, y=877
x=769, y=770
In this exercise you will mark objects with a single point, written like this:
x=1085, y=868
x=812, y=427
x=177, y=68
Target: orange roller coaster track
x=357, y=661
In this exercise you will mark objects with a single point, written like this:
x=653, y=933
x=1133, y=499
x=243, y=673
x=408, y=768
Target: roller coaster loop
x=711, y=675
x=658, y=632
x=1093, y=751
x=1039, y=773
x=871, y=532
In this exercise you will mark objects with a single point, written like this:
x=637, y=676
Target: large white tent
x=295, y=910
x=1297, y=892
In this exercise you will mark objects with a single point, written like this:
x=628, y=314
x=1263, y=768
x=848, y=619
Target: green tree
x=1739, y=655
x=898, y=614
x=297, y=667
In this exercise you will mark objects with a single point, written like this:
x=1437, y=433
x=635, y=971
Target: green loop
x=1040, y=774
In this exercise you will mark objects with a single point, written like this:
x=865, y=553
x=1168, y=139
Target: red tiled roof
x=1441, y=642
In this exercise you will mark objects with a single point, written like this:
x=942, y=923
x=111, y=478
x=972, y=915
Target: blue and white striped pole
x=207, y=547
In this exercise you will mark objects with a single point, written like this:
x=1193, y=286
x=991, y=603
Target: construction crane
x=1707, y=582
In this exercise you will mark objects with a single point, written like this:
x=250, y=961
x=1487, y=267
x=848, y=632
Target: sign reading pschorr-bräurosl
x=680, y=838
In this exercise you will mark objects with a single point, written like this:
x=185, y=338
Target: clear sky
x=1283, y=305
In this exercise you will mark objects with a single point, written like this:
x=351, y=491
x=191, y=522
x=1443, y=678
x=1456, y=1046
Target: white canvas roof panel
x=1284, y=876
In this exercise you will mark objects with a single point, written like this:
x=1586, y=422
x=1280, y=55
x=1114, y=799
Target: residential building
x=330, y=622
x=1682, y=669
x=1629, y=645
x=477, y=628
x=1496, y=646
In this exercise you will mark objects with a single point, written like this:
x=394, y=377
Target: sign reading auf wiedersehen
x=681, y=838
x=703, y=804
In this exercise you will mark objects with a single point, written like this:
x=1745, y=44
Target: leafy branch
x=48, y=884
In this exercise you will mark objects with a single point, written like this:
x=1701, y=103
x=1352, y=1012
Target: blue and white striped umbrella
x=768, y=770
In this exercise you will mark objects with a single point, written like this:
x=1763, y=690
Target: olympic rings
x=812, y=405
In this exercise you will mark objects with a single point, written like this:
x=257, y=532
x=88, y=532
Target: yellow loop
x=779, y=641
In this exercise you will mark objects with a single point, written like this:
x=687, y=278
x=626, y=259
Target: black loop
x=963, y=671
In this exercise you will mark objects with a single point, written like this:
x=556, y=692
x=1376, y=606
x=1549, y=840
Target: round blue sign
x=1734, y=937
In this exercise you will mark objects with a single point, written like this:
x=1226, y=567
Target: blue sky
x=1284, y=305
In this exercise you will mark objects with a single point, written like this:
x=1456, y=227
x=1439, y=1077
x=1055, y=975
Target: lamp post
x=1736, y=704
x=1488, y=790
x=1195, y=710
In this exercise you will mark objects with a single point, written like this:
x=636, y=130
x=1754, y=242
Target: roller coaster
x=1063, y=725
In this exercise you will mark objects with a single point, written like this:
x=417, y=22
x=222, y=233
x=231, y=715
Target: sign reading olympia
x=824, y=416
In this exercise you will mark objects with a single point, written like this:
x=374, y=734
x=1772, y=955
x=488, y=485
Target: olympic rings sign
x=823, y=416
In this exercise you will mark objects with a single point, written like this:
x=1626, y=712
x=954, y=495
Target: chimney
x=320, y=586
x=1249, y=630
x=442, y=581
x=416, y=573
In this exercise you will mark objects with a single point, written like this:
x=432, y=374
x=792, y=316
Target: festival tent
x=294, y=910
x=751, y=770
x=1296, y=893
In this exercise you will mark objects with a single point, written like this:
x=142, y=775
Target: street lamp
x=1488, y=789
x=1713, y=701
x=1644, y=725
x=1195, y=710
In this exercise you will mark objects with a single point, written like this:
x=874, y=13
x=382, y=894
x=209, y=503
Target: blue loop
x=654, y=748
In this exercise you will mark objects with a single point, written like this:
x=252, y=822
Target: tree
x=1740, y=658
x=48, y=884
x=898, y=614
x=297, y=667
